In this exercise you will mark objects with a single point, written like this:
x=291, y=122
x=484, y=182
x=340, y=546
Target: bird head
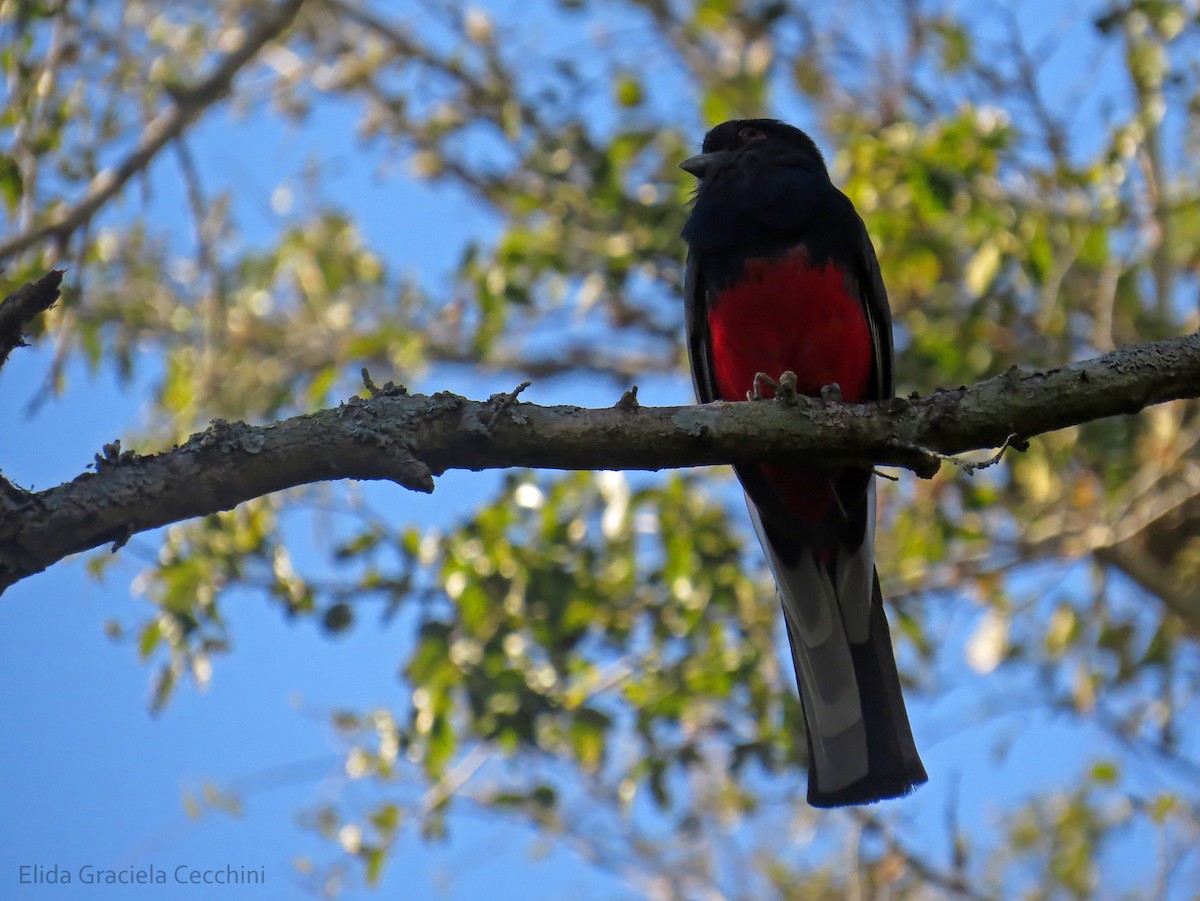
x=753, y=143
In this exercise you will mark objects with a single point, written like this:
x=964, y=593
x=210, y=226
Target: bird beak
x=703, y=163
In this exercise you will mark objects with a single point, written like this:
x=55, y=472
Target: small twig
x=503, y=403
x=971, y=468
x=11, y=491
x=112, y=455
x=455, y=779
x=968, y=466
x=22, y=306
x=389, y=389
x=628, y=401
x=951, y=882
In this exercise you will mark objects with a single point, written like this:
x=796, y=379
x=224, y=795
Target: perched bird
x=781, y=277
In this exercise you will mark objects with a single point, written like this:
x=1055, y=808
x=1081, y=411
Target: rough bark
x=409, y=439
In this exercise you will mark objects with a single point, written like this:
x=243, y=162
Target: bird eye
x=749, y=133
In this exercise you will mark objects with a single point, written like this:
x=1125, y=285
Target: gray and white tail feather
x=860, y=743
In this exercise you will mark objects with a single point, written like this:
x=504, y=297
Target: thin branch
x=189, y=103
x=450, y=784
x=619, y=366
x=411, y=438
x=27, y=129
x=24, y=305
x=970, y=467
x=953, y=883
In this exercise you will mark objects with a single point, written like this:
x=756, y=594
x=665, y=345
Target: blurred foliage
x=592, y=655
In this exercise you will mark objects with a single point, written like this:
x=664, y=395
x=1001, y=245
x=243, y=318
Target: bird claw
x=832, y=393
x=786, y=391
x=761, y=379
x=783, y=390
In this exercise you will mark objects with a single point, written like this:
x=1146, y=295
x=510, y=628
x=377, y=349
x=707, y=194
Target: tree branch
x=409, y=439
x=22, y=306
x=189, y=103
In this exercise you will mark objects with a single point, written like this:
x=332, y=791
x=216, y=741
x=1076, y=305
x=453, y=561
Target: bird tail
x=860, y=743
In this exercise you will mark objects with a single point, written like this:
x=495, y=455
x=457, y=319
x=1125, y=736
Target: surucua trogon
x=781, y=276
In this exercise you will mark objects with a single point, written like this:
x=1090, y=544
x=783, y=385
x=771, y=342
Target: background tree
x=596, y=654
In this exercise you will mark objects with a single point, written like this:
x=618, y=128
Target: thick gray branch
x=411, y=438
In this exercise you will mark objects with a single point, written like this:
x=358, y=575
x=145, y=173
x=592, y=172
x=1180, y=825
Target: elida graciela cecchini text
x=36, y=874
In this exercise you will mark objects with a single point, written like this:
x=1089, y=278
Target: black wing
x=873, y=295
x=699, y=347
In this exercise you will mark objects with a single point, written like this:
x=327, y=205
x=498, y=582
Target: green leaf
x=12, y=186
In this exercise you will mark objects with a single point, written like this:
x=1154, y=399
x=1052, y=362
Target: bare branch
x=411, y=438
x=188, y=104
x=22, y=307
x=950, y=882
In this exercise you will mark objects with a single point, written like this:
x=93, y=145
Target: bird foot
x=783, y=390
x=832, y=393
